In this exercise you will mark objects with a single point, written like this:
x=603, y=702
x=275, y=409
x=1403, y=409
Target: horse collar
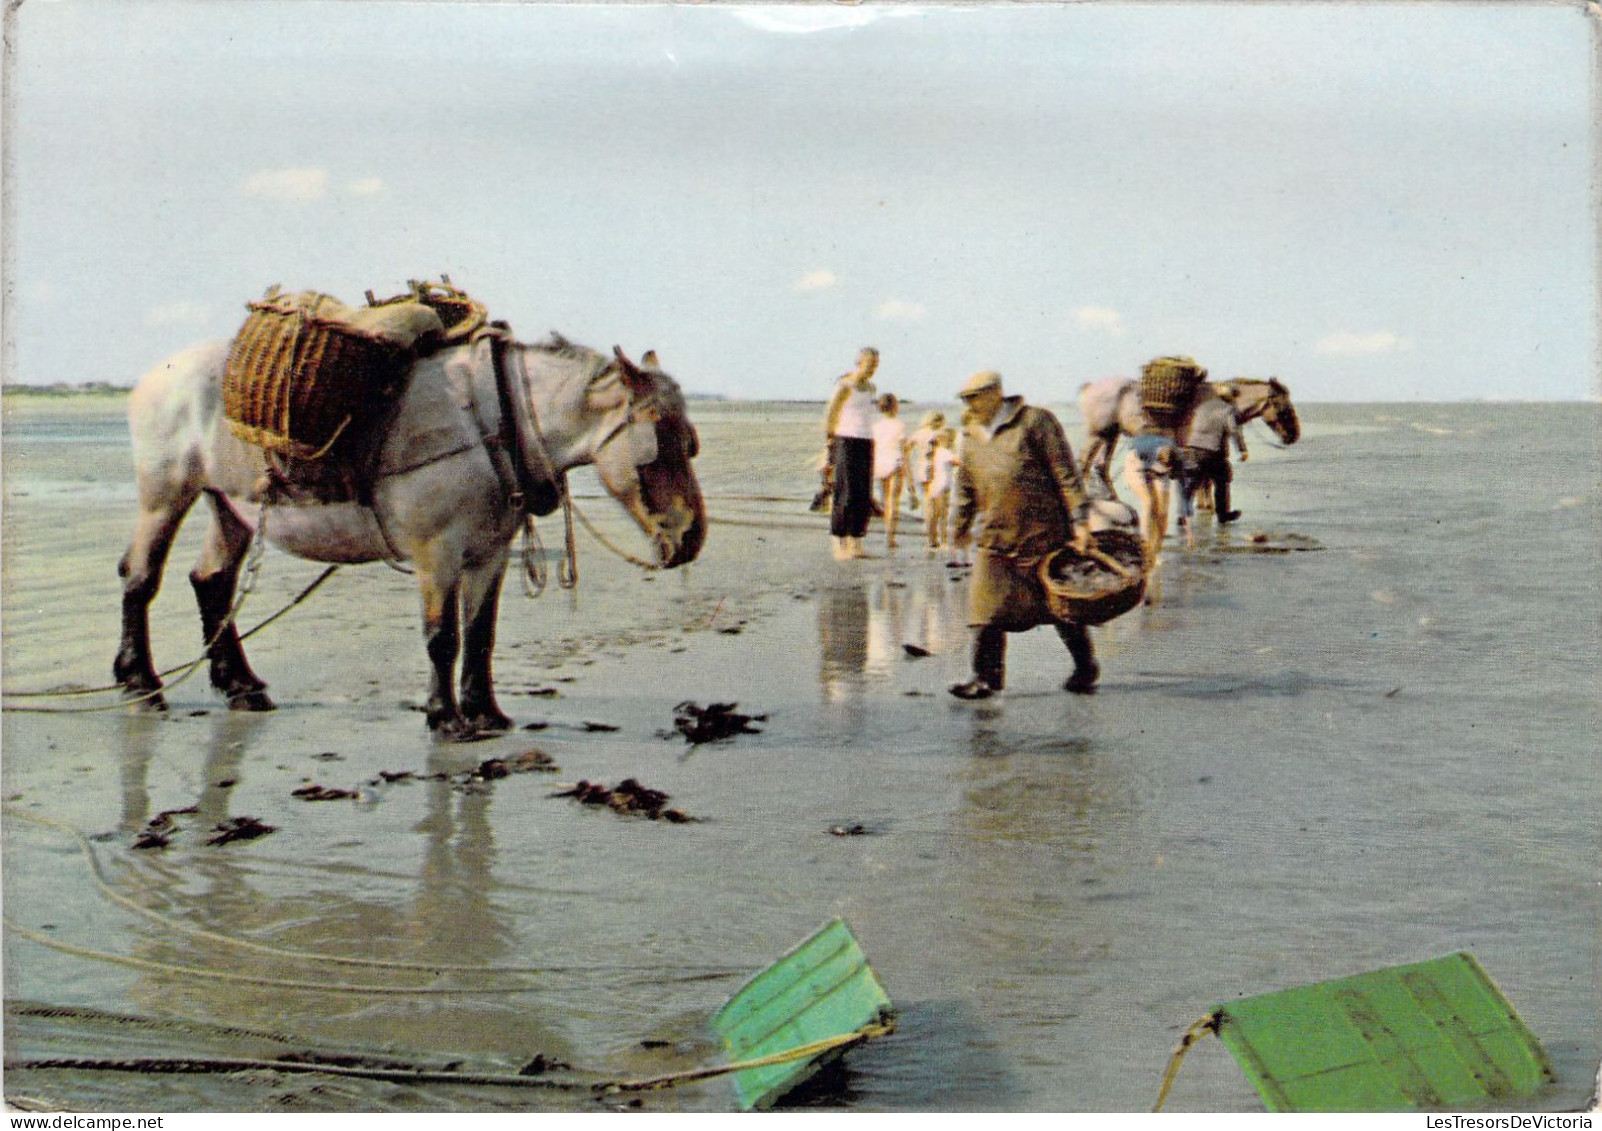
x=534, y=476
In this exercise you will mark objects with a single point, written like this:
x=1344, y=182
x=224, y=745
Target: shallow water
x=1298, y=766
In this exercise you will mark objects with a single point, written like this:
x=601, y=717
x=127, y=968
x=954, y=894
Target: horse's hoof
x=145, y=699
x=456, y=730
x=489, y=722
x=254, y=699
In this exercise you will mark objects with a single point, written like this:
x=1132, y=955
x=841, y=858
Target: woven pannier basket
x=461, y=315
x=1096, y=587
x=298, y=379
x=1168, y=387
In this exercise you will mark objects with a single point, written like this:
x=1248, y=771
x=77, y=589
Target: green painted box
x=1433, y=1034
x=822, y=989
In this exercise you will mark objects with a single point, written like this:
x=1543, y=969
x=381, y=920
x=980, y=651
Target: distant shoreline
x=62, y=391
x=100, y=390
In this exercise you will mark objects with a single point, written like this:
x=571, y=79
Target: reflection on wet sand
x=450, y=918
x=842, y=639
x=865, y=626
x=1042, y=836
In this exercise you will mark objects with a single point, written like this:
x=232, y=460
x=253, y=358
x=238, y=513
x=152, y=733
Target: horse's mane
x=559, y=347
x=560, y=344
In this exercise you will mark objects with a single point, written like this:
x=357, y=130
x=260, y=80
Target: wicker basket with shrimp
x=1099, y=583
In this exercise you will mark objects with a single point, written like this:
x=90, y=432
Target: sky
x=1372, y=202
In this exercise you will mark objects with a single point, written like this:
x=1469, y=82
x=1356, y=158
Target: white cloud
x=1346, y=344
x=286, y=184
x=816, y=281
x=899, y=310
x=366, y=186
x=802, y=19
x=180, y=313
x=1103, y=318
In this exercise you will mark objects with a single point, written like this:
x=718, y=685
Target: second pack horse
x=1111, y=408
x=441, y=497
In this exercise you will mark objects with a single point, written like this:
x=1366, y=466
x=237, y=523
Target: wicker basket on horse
x=1094, y=586
x=307, y=376
x=460, y=314
x=1168, y=389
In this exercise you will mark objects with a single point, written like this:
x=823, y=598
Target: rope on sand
x=249, y=979
x=86, y=849
x=408, y=1075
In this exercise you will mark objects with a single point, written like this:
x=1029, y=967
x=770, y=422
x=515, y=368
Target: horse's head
x=1268, y=401
x=1279, y=414
x=644, y=457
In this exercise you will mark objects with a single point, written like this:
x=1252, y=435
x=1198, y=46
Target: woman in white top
x=890, y=462
x=849, y=427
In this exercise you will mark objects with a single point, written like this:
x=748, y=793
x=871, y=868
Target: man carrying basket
x=1019, y=480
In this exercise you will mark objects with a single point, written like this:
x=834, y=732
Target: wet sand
x=1051, y=887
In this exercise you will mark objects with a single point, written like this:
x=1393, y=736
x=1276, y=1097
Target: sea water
x=1359, y=728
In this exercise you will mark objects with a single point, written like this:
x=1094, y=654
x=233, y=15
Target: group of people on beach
x=1008, y=486
x=872, y=461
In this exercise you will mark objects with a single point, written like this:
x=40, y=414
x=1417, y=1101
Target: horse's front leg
x=481, y=598
x=1098, y=460
x=1104, y=467
x=442, y=638
x=1092, y=449
x=215, y=578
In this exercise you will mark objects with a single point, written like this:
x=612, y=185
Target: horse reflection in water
x=439, y=906
x=441, y=498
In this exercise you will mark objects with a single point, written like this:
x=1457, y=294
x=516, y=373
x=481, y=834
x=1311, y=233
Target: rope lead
x=174, y=1065
x=1208, y=1024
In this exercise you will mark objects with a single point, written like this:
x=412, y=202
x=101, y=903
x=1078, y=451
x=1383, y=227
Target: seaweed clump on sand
x=531, y=761
x=713, y=722
x=311, y=791
x=158, y=831
x=239, y=828
x=629, y=798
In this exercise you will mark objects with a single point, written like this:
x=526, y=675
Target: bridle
x=1273, y=414
x=639, y=420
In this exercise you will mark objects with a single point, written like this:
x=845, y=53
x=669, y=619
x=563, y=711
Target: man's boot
x=989, y=665
x=1086, y=670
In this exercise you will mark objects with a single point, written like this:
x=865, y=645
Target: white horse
x=446, y=491
x=1111, y=407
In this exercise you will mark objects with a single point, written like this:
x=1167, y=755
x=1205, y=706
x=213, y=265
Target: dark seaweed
x=713, y=722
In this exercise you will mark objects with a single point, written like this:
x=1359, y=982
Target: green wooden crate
x=1428, y=1035
x=821, y=989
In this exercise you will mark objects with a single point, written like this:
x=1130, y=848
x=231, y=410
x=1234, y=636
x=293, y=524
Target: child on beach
x=920, y=447
x=942, y=474
x=889, y=463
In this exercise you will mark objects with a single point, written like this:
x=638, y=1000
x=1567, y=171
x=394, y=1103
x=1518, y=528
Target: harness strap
x=534, y=473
